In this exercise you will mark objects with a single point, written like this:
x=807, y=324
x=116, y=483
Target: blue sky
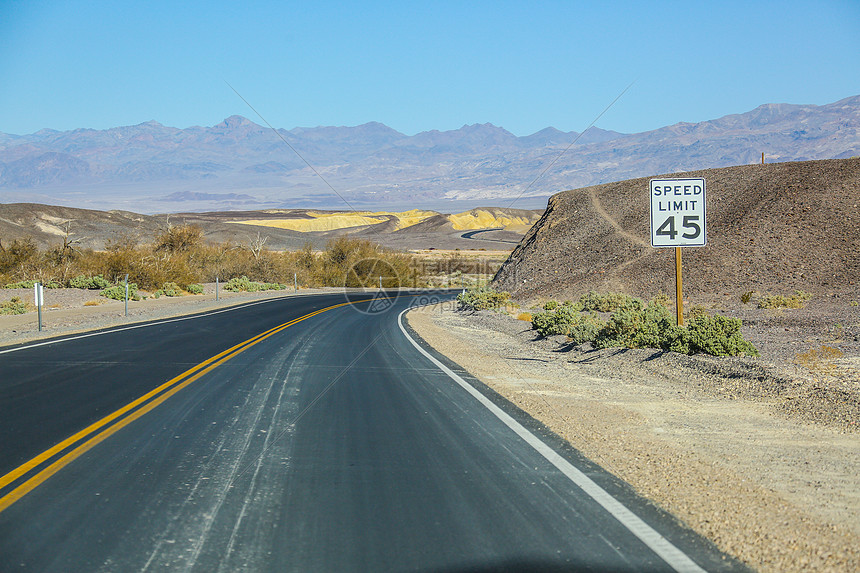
x=417, y=66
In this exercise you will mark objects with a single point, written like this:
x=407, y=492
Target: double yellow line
x=112, y=423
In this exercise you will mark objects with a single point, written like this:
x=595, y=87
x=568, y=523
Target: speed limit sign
x=678, y=213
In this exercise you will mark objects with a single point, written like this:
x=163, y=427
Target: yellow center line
x=172, y=386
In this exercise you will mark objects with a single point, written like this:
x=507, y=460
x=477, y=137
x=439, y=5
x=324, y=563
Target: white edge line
x=673, y=556
x=156, y=322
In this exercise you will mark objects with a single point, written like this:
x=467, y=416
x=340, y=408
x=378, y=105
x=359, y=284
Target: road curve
x=285, y=437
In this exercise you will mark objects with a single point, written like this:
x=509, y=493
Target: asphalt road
x=330, y=443
x=471, y=235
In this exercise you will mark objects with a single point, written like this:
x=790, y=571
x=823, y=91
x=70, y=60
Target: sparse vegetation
x=14, y=306
x=483, y=298
x=634, y=324
x=244, y=284
x=85, y=282
x=797, y=300
x=170, y=289
x=606, y=302
x=819, y=359
x=179, y=255
x=194, y=288
x=117, y=292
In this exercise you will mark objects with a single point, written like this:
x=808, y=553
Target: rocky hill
x=777, y=227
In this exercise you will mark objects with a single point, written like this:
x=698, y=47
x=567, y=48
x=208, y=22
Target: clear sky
x=417, y=66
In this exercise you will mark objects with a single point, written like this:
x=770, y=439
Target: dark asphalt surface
x=332, y=445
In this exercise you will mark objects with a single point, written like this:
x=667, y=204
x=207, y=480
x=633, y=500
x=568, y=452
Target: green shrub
x=32, y=282
x=85, y=282
x=607, y=302
x=117, y=292
x=797, y=300
x=554, y=321
x=716, y=335
x=170, y=289
x=21, y=284
x=550, y=305
x=195, y=288
x=584, y=328
x=483, y=298
x=13, y=306
x=695, y=312
x=244, y=284
x=635, y=326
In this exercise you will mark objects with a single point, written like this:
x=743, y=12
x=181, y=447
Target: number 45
x=667, y=229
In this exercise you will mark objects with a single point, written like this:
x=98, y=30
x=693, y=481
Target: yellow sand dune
x=336, y=221
x=466, y=221
x=482, y=219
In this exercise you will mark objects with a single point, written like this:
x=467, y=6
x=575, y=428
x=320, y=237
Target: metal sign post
x=678, y=220
x=39, y=297
x=216, y=288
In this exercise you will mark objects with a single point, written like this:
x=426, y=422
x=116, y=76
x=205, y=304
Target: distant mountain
x=240, y=162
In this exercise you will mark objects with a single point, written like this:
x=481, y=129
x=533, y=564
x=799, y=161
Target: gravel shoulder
x=68, y=311
x=758, y=455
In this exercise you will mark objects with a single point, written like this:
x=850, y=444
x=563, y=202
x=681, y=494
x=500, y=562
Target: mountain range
x=239, y=164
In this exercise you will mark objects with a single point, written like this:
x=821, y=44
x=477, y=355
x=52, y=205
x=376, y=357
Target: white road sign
x=678, y=213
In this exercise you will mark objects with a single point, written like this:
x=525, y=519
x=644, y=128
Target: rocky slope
x=775, y=227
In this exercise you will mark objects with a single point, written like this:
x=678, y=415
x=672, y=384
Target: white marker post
x=39, y=297
x=126, y=294
x=678, y=220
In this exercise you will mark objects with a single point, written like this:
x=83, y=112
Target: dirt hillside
x=771, y=228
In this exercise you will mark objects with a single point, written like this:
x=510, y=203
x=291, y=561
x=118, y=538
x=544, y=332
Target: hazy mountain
x=372, y=165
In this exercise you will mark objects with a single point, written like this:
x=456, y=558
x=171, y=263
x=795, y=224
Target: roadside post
x=296, y=282
x=39, y=297
x=126, y=294
x=216, y=289
x=678, y=209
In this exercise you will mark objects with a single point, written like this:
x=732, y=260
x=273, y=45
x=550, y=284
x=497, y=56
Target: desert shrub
x=244, y=284
x=117, y=292
x=18, y=256
x=168, y=289
x=695, y=312
x=13, y=306
x=85, y=282
x=797, y=300
x=585, y=328
x=30, y=283
x=555, y=320
x=716, y=335
x=819, y=359
x=606, y=302
x=633, y=325
x=483, y=298
x=567, y=320
x=179, y=239
x=747, y=296
x=194, y=288
x=550, y=305
x=21, y=284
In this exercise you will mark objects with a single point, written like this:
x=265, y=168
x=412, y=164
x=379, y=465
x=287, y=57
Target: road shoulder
x=779, y=494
